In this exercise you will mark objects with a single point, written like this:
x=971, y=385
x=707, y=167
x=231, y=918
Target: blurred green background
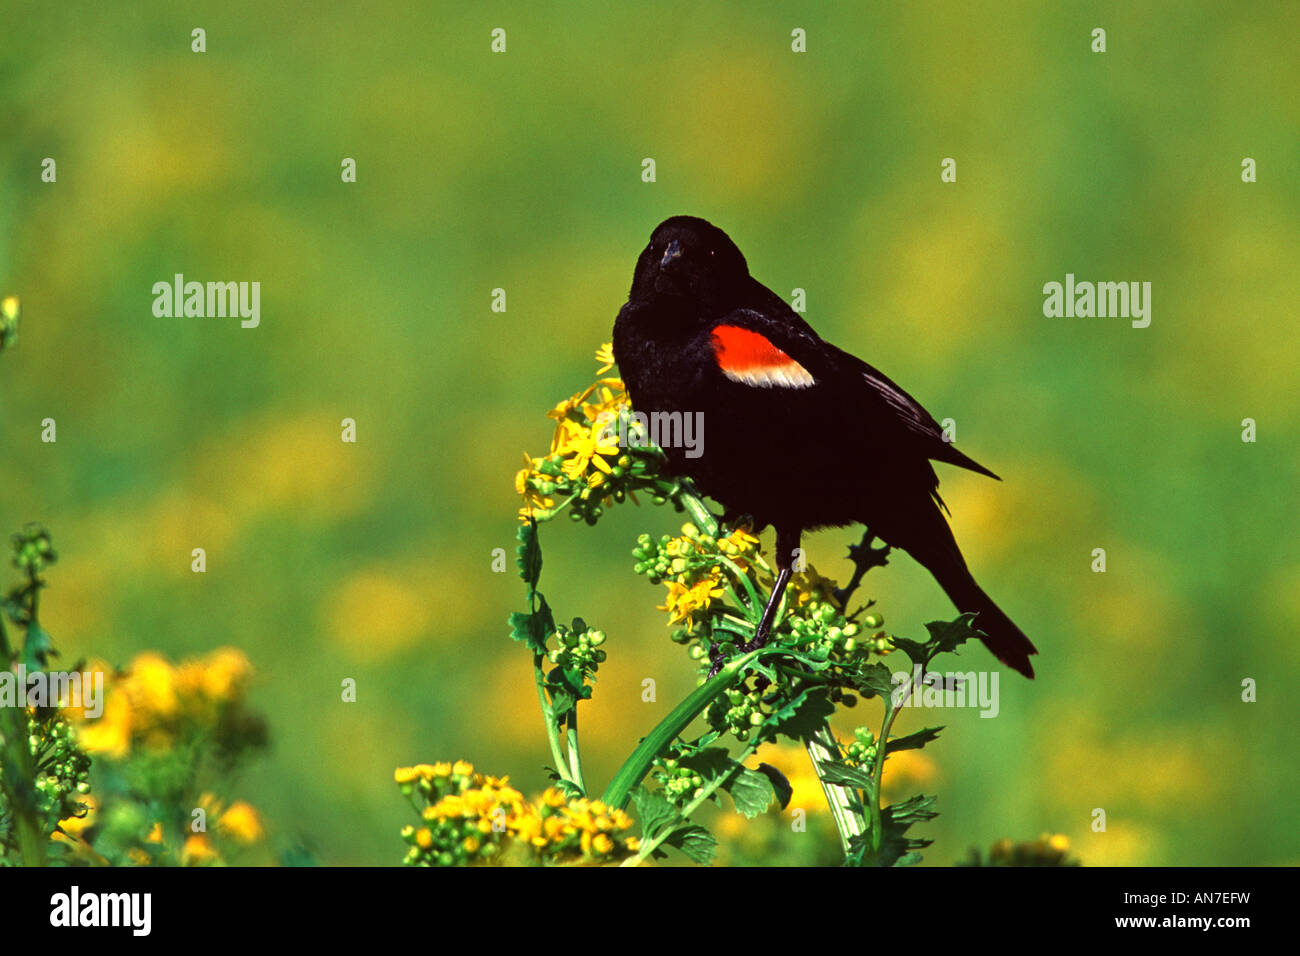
x=523, y=171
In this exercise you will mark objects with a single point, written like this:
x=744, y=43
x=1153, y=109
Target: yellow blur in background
x=522, y=171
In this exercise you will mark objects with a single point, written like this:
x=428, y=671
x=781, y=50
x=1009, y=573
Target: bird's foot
x=716, y=658
x=759, y=640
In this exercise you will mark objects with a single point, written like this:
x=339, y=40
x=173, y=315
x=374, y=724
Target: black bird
x=798, y=433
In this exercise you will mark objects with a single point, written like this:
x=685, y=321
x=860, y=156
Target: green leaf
x=696, y=842
x=896, y=847
x=874, y=680
x=38, y=647
x=653, y=810
x=533, y=628
x=915, y=809
x=749, y=789
x=780, y=785
x=842, y=774
x=859, y=848
x=751, y=792
x=918, y=653
x=801, y=717
x=528, y=555
x=947, y=636
x=913, y=741
x=570, y=788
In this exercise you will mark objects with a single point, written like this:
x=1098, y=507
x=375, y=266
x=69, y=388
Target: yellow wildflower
x=685, y=602
x=198, y=850
x=242, y=822
x=152, y=685
x=110, y=735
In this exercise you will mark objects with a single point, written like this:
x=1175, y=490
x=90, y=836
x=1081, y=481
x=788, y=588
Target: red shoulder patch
x=748, y=357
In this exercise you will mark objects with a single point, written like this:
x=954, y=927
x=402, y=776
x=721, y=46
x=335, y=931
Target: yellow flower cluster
x=692, y=573
x=808, y=585
x=474, y=818
x=152, y=701
x=239, y=823
x=577, y=830
x=584, y=449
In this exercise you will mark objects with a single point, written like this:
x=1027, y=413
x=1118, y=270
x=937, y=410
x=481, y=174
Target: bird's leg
x=864, y=558
x=786, y=545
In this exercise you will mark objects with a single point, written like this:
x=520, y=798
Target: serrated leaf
x=780, y=785
x=653, y=811
x=563, y=702
x=946, y=636
x=696, y=842
x=874, y=680
x=750, y=791
x=912, y=810
x=709, y=762
x=841, y=774
x=918, y=653
x=528, y=554
x=533, y=628
x=802, y=717
x=913, y=741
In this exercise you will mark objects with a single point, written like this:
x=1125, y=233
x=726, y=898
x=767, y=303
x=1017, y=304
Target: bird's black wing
x=788, y=331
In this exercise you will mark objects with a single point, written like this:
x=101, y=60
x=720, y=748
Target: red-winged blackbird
x=798, y=433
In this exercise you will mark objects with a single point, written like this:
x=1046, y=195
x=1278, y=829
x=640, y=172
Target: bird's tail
x=1001, y=636
x=921, y=531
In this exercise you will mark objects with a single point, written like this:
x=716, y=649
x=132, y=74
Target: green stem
x=638, y=764
x=17, y=774
x=575, y=760
x=844, y=803
x=648, y=847
x=878, y=772
x=552, y=731
x=699, y=512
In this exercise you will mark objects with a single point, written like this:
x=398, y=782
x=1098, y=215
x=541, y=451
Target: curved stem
x=548, y=715
x=638, y=764
x=648, y=847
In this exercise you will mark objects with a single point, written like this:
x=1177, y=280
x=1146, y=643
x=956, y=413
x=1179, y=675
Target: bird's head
x=690, y=258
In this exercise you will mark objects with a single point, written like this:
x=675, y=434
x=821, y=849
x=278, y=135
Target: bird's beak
x=674, y=251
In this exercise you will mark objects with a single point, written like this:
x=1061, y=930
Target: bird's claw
x=759, y=640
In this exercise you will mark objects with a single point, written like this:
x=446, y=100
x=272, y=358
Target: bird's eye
x=712, y=251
